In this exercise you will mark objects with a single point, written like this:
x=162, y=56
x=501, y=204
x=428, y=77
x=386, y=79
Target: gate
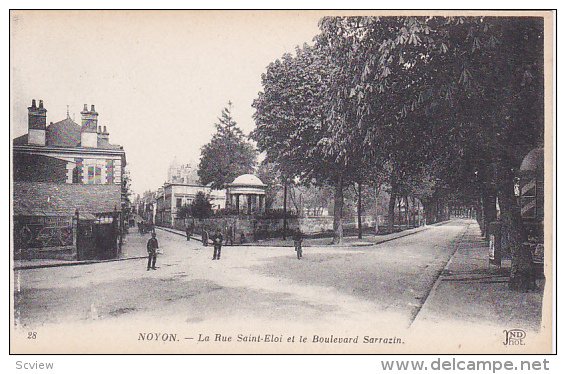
x=97, y=238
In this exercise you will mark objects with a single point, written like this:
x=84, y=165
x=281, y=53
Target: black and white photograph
x=285, y=182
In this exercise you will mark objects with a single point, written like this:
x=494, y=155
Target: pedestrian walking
x=189, y=231
x=217, y=242
x=152, y=246
x=298, y=241
x=204, y=237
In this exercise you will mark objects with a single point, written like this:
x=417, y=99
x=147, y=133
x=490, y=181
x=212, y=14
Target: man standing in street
x=298, y=242
x=189, y=231
x=217, y=241
x=152, y=246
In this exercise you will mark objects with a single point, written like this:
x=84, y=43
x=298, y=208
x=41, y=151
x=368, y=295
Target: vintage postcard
x=281, y=182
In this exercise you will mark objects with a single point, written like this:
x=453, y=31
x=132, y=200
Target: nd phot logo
x=514, y=337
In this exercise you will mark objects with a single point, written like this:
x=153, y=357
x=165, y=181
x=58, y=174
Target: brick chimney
x=103, y=136
x=89, y=125
x=37, y=118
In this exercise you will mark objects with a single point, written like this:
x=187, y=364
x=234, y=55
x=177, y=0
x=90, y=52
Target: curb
x=422, y=228
x=439, y=277
x=76, y=263
x=178, y=233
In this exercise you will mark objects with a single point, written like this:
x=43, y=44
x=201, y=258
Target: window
x=76, y=175
x=90, y=174
x=179, y=202
x=94, y=175
x=97, y=175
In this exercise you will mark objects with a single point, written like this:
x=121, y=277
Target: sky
x=158, y=79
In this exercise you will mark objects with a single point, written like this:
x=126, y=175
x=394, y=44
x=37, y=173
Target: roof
x=44, y=198
x=65, y=133
x=247, y=180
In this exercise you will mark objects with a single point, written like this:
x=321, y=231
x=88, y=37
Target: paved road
x=381, y=285
x=344, y=291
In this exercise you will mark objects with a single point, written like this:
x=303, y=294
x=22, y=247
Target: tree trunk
x=428, y=212
x=489, y=209
x=479, y=216
x=407, y=215
x=338, y=207
x=400, y=222
x=513, y=235
x=391, y=211
x=377, y=190
x=413, y=216
x=285, y=210
x=359, y=210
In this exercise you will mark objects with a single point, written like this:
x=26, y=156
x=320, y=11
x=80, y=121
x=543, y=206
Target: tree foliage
x=201, y=207
x=434, y=107
x=228, y=154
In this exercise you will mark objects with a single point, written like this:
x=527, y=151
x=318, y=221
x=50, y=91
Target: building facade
x=173, y=196
x=67, y=188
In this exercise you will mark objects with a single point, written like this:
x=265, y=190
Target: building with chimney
x=67, y=188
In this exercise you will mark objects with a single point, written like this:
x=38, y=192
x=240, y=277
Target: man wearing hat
x=217, y=241
x=152, y=246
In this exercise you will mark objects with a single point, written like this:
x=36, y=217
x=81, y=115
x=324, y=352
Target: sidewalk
x=469, y=290
x=347, y=241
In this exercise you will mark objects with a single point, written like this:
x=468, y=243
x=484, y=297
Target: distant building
x=145, y=206
x=176, y=195
x=182, y=173
x=67, y=188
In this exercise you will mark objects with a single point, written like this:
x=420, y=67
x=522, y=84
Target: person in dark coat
x=230, y=235
x=152, y=246
x=298, y=241
x=217, y=241
x=189, y=231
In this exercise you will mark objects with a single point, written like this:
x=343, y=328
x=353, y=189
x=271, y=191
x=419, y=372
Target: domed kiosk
x=246, y=194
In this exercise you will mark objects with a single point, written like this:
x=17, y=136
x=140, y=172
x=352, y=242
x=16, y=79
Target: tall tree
x=269, y=174
x=228, y=154
x=292, y=126
x=469, y=88
x=201, y=207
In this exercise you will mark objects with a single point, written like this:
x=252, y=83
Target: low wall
x=68, y=253
x=254, y=229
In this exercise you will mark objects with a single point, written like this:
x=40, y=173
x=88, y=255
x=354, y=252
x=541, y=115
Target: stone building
x=67, y=188
x=176, y=195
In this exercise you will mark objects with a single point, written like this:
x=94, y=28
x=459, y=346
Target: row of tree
x=433, y=108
